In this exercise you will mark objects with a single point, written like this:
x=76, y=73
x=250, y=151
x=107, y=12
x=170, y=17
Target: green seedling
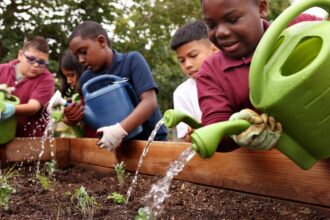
x=120, y=171
x=50, y=168
x=117, y=198
x=85, y=203
x=46, y=174
x=44, y=181
x=5, y=188
x=142, y=215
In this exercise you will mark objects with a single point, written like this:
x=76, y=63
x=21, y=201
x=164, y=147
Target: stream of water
x=144, y=153
x=160, y=190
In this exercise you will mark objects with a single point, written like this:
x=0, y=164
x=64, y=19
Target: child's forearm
x=29, y=109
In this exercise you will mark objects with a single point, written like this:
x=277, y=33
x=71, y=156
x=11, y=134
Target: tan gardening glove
x=7, y=90
x=262, y=134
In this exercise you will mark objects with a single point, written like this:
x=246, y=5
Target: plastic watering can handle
x=286, y=144
x=173, y=117
x=263, y=50
x=114, y=79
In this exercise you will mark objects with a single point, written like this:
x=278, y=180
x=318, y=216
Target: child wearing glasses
x=34, y=86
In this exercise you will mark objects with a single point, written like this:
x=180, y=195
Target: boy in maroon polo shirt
x=236, y=28
x=33, y=83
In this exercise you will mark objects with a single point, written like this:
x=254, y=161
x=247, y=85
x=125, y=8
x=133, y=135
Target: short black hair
x=196, y=30
x=36, y=42
x=90, y=30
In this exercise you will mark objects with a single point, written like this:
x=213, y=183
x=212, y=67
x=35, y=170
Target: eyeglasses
x=33, y=60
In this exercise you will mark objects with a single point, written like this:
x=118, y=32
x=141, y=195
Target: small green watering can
x=290, y=80
x=8, y=126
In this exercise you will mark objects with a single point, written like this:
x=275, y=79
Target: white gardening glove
x=55, y=101
x=261, y=135
x=7, y=90
x=112, y=136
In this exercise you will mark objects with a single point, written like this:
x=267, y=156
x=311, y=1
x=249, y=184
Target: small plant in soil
x=5, y=188
x=86, y=204
x=46, y=175
x=142, y=215
x=116, y=198
x=120, y=171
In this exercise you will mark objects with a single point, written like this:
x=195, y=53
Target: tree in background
x=142, y=25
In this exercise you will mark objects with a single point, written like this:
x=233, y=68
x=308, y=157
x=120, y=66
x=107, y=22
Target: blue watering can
x=109, y=99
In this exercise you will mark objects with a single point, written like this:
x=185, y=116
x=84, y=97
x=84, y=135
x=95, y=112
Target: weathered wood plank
x=29, y=149
x=85, y=150
x=265, y=173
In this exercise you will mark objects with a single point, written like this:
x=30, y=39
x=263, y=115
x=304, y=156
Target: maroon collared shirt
x=40, y=88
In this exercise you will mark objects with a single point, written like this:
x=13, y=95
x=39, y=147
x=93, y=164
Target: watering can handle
x=263, y=50
x=100, y=78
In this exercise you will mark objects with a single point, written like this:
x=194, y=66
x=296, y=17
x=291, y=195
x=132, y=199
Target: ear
x=102, y=41
x=263, y=8
x=20, y=55
x=214, y=48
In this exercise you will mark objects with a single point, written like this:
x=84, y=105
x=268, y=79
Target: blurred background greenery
x=142, y=25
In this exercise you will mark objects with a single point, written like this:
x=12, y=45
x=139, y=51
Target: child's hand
x=7, y=90
x=112, y=136
x=190, y=130
x=73, y=113
x=262, y=134
x=7, y=112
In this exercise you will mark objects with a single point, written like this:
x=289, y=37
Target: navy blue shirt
x=134, y=67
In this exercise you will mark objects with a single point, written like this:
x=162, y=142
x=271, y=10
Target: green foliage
x=5, y=188
x=120, y=171
x=276, y=7
x=44, y=181
x=142, y=215
x=46, y=174
x=85, y=203
x=116, y=198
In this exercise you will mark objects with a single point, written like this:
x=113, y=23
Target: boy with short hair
x=90, y=43
x=236, y=28
x=192, y=47
x=34, y=86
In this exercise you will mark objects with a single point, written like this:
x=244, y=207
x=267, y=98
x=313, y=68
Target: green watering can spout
x=205, y=141
x=173, y=117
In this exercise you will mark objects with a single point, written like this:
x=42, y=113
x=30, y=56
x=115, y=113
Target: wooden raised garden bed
x=262, y=173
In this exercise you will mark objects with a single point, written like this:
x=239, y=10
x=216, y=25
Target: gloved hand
x=73, y=113
x=7, y=90
x=111, y=137
x=262, y=134
x=7, y=112
x=55, y=101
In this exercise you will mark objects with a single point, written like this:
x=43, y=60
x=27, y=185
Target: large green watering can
x=8, y=126
x=290, y=80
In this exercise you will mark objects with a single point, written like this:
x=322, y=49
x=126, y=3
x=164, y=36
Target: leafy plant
x=5, y=188
x=116, y=198
x=142, y=215
x=46, y=174
x=50, y=168
x=44, y=181
x=120, y=171
x=85, y=203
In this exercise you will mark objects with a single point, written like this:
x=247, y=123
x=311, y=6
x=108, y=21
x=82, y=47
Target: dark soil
x=187, y=201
